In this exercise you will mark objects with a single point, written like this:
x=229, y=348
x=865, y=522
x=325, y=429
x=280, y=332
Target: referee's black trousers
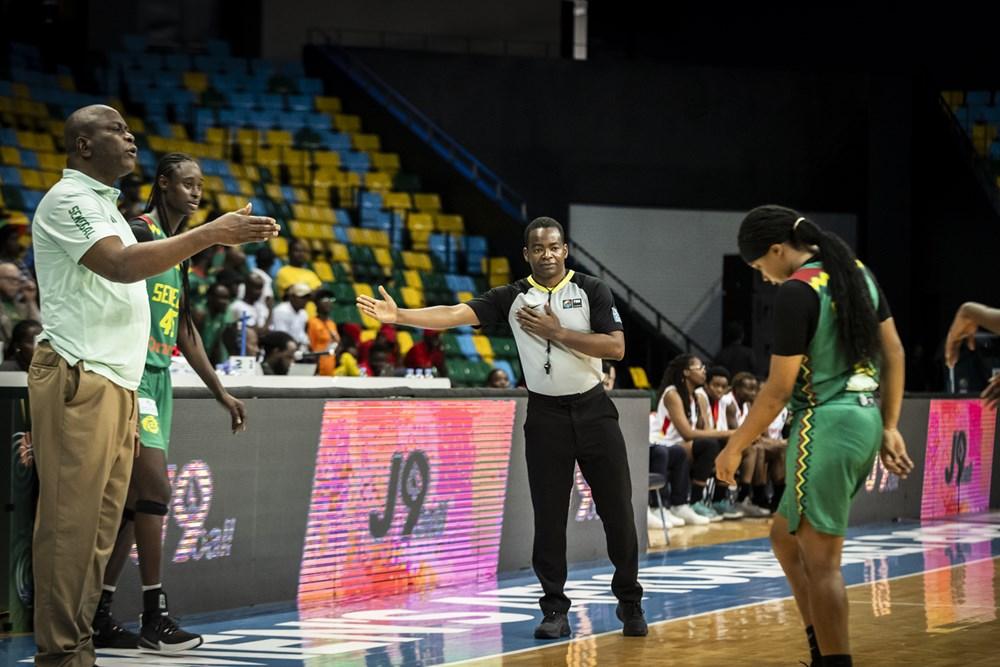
x=559, y=432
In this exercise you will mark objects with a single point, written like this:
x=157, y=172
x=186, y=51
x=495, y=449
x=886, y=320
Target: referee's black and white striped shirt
x=581, y=302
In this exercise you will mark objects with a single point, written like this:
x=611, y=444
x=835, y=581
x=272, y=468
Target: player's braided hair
x=167, y=165
x=857, y=321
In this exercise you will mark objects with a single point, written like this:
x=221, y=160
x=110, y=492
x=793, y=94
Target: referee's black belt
x=566, y=399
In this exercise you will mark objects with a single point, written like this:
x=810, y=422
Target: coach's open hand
x=240, y=227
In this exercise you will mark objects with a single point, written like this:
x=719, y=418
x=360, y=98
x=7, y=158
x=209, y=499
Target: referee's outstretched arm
x=434, y=317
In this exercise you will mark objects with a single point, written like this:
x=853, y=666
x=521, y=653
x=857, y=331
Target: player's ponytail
x=857, y=321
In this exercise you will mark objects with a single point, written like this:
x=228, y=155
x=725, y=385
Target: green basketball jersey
x=827, y=374
x=164, y=293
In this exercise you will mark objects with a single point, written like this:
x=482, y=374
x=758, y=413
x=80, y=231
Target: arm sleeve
x=882, y=307
x=796, y=313
x=76, y=223
x=604, y=317
x=493, y=306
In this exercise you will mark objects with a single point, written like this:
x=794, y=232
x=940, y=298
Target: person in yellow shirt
x=296, y=271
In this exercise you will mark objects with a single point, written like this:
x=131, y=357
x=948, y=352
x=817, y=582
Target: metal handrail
x=673, y=332
x=513, y=203
x=409, y=114
x=982, y=171
x=417, y=41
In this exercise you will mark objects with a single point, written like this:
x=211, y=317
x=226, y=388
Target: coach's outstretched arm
x=435, y=317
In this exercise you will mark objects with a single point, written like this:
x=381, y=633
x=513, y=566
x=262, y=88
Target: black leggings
x=673, y=464
x=704, y=452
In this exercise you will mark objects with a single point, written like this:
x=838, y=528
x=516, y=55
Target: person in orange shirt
x=323, y=335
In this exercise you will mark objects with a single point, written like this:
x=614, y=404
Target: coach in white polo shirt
x=87, y=365
x=564, y=323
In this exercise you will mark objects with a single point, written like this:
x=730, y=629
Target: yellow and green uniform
x=837, y=425
x=156, y=398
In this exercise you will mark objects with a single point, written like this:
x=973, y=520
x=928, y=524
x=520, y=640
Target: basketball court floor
x=920, y=593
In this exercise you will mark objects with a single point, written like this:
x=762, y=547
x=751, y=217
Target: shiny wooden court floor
x=947, y=616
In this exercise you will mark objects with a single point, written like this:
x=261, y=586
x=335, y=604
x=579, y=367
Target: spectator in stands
x=385, y=338
x=682, y=425
x=211, y=320
x=251, y=305
x=323, y=334
x=265, y=260
x=497, y=379
x=11, y=250
x=610, y=375
x=200, y=275
x=17, y=355
x=279, y=353
x=969, y=317
x=347, y=358
x=735, y=354
x=290, y=315
x=713, y=399
x=296, y=271
x=427, y=353
x=18, y=299
x=379, y=363
x=232, y=338
x=131, y=204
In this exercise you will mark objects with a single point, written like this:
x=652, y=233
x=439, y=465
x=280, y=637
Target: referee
x=564, y=323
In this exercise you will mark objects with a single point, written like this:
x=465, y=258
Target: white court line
x=705, y=613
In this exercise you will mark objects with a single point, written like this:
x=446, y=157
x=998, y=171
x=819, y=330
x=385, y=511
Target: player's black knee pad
x=150, y=507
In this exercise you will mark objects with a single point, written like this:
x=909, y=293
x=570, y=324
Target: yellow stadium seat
x=21, y=90
x=380, y=238
x=464, y=296
x=367, y=335
x=32, y=179
x=17, y=218
x=196, y=82
x=268, y=156
x=639, y=378
x=412, y=279
x=179, y=131
x=246, y=187
x=483, y=347
x=247, y=137
x=136, y=125
x=327, y=158
x=199, y=217
x=51, y=161
x=213, y=183
x=339, y=253
x=217, y=135
x=10, y=155
x=397, y=201
x=278, y=138
x=420, y=238
x=66, y=83
x=495, y=265
x=383, y=258
x=420, y=261
x=412, y=297
x=449, y=223
x=386, y=162
x=49, y=178
x=404, y=339
x=366, y=142
x=419, y=222
x=327, y=104
x=324, y=271
x=279, y=244
x=347, y=122
x=427, y=202
x=378, y=180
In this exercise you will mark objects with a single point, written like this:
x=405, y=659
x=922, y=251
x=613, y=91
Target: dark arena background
x=379, y=514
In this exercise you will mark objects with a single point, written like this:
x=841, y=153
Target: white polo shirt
x=86, y=317
x=581, y=302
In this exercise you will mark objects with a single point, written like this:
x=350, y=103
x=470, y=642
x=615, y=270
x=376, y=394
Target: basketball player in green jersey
x=176, y=195
x=835, y=345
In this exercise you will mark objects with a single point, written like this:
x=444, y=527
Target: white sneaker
x=673, y=521
x=653, y=519
x=753, y=510
x=688, y=516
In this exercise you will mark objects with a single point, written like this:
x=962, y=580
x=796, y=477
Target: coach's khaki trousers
x=82, y=427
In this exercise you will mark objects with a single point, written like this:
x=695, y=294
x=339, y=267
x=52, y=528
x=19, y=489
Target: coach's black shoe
x=162, y=634
x=108, y=634
x=633, y=619
x=553, y=626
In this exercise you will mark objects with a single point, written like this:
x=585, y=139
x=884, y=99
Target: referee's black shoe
x=553, y=626
x=633, y=619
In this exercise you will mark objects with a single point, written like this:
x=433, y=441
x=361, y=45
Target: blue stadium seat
x=342, y=216
x=355, y=161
